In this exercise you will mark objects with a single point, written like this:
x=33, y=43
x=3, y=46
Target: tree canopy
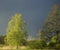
x=52, y=23
x=16, y=32
x=50, y=32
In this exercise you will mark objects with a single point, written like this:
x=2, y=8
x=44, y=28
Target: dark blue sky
x=34, y=13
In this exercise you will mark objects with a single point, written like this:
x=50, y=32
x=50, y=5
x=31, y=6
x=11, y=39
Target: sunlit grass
x=20, y=48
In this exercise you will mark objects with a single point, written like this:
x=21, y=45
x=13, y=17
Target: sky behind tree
x=34, y=13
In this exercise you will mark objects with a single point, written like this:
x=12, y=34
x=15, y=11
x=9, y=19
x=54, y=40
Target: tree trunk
x=17, y=47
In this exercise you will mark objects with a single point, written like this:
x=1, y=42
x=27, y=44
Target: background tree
x=52, y=24
x=16, y=32
x=51, y=29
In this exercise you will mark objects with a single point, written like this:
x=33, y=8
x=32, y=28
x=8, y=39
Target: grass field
x=14, y=48
x=20, y=48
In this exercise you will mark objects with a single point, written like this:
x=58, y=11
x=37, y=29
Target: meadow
x=21, y=48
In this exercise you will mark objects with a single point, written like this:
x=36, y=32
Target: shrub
x=36, y=44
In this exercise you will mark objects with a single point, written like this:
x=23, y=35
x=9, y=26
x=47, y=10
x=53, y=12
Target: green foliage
x=53, y=39
x=53, y=44
x=36, y=44
x=51, y=29
x=16, y=31
x=52, y=24
x=2, y=39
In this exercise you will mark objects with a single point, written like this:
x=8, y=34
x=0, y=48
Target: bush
x=36, y=44
x=2, y=39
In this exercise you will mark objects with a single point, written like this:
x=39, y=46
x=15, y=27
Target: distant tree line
x=2, y=39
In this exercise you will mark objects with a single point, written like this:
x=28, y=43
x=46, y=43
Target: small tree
x=16, y=31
